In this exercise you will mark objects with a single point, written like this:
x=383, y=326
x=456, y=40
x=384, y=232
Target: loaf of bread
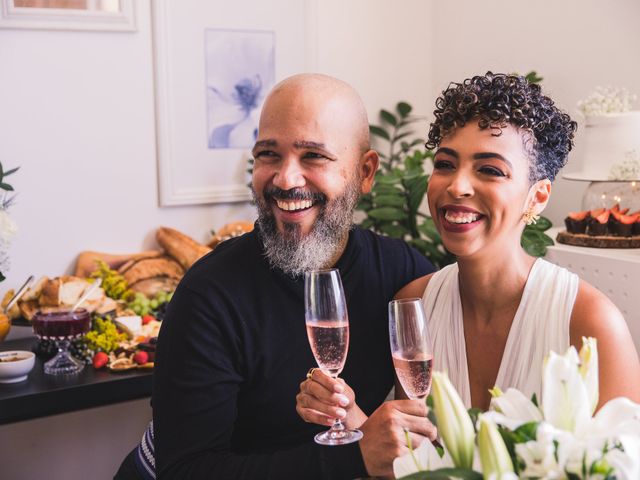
x=180, y=246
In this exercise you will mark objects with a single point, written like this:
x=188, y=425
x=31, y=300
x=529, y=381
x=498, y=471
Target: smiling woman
x=500, y=143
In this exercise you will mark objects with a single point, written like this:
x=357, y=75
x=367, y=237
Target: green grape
x=115, y=286
x=153, y=304
x=104, y=336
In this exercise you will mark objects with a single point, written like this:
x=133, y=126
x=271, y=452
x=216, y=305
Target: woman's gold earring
x=530, y=217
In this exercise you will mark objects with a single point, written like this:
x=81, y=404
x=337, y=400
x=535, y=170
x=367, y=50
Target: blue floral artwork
x=240, y=70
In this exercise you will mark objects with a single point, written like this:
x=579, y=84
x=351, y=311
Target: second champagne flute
x=328, y=330
x=411, y=346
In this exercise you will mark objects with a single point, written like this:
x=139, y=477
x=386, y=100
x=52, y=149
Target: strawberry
x=100, y=360
x=578, y=215
x=141, y=357
x=627, y=219
x=598, y=211
x=602, y=217
x=147, y=318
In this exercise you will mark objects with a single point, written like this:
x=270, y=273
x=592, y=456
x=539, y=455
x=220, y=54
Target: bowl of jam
x=65, y=324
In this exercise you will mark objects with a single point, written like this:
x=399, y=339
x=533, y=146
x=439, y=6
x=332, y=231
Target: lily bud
x=565, y=401
x=589, y=369
x=454, y=423
x=494, y=456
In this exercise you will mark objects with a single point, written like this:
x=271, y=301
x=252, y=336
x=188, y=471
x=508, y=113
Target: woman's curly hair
x=498, y=100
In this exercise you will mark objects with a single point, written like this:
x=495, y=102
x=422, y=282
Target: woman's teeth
x=461, y=217
x=292, y=206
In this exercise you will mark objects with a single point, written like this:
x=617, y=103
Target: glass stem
x=62, y=345
x=337, y=426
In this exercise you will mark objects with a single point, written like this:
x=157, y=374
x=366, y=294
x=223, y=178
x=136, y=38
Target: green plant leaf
x=387, y=213
x=366, y=223
x=538, y=236
x=429, y=229
x=383, y=189
x=404, y=109
x=402, y=135
x=9, y=172
x=389, y=201
x=379, y=131
x=389, y=179
x=535, y=249
x=6, y=186
x=543, y=223
x=394, y=230
x=2, y=277
x=416, y=188
x=388, y=117
x=532, y=77
x=526, y=432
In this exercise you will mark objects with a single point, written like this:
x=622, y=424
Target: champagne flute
x=411, y=346
x=328, y=330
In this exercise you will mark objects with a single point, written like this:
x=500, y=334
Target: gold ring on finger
x=310, y=372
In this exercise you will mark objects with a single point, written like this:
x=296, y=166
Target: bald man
x=233, y=348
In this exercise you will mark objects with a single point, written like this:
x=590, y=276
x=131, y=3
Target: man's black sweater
x=233, y=350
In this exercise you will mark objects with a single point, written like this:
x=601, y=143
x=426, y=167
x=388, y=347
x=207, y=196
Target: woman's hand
x=322, y=399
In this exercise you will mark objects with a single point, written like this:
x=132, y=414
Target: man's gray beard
x=295, y=253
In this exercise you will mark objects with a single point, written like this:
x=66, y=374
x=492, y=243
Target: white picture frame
x=121, y=20
x=190, y=171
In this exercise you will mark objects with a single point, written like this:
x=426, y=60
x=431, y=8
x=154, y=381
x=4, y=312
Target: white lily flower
x=618, y=416
x=454, y=423
x=503, y=476
x=626, y=463
x=494, y=455
x=565, y=400
x=515, y=406
x=538, y=457
x=589, y=369
x=425, y=457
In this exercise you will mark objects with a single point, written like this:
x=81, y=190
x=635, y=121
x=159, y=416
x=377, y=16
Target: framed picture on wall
x=215, y=62
x=105, y=15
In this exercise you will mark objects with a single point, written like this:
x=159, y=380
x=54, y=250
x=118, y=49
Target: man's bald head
x=310, y=94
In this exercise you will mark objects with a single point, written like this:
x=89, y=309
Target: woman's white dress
x=541, y=324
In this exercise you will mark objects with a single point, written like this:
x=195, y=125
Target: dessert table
x=42, y=395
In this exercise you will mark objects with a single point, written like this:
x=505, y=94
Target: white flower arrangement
x=8, y=227
x=629, y=169
x=517, y=439
x=607, y=100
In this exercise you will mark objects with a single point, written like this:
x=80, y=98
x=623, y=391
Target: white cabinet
x=615, y=272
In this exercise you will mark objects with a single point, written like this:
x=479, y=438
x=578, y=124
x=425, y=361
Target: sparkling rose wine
x=329, y=343
x=414, y=373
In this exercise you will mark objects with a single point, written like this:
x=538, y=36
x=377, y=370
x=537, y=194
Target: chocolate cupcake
x=598, y=222
x=576, y=222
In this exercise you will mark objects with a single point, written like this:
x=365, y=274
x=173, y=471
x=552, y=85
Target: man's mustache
x=272, y=192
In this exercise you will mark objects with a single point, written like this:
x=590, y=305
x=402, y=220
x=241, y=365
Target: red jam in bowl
x=61, y=324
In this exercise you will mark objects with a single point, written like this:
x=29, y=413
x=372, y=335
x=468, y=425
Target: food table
x=42, y=394
x=76, y=427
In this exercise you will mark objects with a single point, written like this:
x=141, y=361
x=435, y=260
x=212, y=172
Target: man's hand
x=322, y=399
x=384, y=433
